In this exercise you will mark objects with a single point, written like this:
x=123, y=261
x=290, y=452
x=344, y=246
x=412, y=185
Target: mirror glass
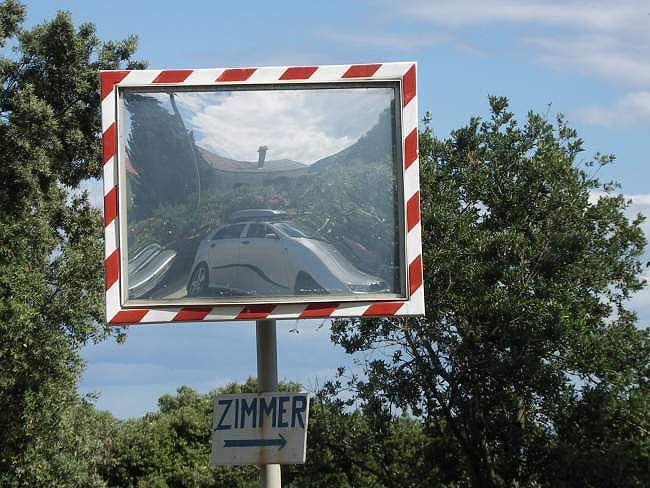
x=244, y=193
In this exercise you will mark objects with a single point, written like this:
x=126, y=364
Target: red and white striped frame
x=404, y=73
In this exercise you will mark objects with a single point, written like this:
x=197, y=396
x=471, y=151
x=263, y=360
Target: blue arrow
x=256, y=442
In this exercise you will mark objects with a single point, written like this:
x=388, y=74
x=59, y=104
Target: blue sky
x=587, y=59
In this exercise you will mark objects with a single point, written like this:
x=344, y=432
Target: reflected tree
x=162, y=157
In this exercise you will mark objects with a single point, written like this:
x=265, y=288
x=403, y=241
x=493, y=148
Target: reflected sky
x=300, y=125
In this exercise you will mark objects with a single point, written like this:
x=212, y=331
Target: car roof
x=257, y=215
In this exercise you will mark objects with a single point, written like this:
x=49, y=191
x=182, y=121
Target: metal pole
x=267, y=381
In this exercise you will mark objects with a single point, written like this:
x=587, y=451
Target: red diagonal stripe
x=108, y=79
x=408, y=86
x=382, y=309
x=192, y=313
x=108, y=143
x=255, y=312
x=298, y=72
x=361, y=70
x=411, y=148
x=129, y=316
x=318, y=310
x=415, y=274
x=172, y=76
x=413, y=210
x=237, y=74
x=112, y=267
x=110, y=206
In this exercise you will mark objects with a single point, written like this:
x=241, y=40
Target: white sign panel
x=265, y=428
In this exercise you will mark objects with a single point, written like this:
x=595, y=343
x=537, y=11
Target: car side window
x=269, y=233
x=256, y=230
x=229, y=232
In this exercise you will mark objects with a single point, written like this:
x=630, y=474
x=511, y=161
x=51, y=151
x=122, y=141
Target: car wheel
x=306, y=285
x=198, y=284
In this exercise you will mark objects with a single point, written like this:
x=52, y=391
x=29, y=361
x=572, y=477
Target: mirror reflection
x=253, y=193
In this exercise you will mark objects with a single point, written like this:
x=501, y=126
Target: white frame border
x=402, y=72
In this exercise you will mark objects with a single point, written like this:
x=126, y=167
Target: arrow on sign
x=281, y=441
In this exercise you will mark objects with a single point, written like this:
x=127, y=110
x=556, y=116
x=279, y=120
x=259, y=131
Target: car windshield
x=291, y=230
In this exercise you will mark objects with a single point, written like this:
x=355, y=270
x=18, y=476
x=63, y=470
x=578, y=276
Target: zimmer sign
x=260, y=428
x=261, y=193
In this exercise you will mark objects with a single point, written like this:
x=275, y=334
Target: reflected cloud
x=299, y=125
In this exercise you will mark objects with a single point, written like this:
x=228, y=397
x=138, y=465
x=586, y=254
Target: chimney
x=262, y=151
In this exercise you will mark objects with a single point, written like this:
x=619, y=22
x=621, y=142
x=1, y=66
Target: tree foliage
x=527, y=363
x=51, y=249
x=171, y=447
x=527, y=370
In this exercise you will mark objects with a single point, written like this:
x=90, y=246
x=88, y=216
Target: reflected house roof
x=222, y=163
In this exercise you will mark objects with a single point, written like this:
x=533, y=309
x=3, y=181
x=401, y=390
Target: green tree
x=346, y=448
x=50, y=239
x=171, y=447
x=350, y=447
x=527, y=364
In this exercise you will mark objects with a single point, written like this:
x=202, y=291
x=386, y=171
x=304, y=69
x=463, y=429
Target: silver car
x=147, y=268
x=271, y=256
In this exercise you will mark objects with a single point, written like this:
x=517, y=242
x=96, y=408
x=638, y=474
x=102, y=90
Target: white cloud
x=387, y=41
x=603, y=15
x=630, y=109
x=640, y=204
x=601, y=38
x=399, y=42
x=640, y=302
x=302, y=125
x=603, y=56
x=641, y=200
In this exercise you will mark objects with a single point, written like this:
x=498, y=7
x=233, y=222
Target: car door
x=224, y=257
x=262, y=261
